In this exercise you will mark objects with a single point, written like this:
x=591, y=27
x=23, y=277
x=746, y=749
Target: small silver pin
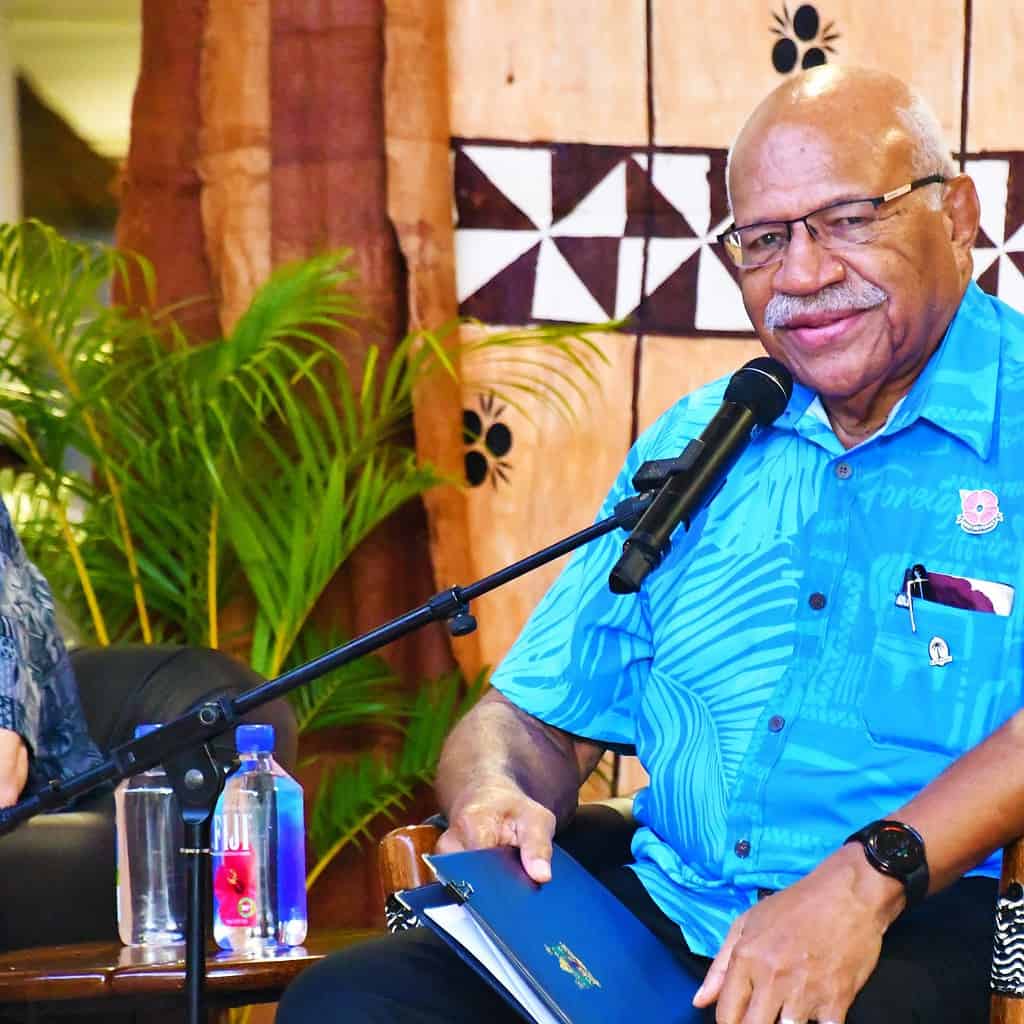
x=938, y=651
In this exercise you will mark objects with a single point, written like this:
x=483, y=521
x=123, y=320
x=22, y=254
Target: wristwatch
x=896, y=850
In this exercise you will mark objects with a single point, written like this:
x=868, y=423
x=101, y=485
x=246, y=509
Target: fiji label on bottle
x=234, y=880
x=230, y=833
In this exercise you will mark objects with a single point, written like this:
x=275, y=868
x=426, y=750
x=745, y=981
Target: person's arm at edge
x=507, y=779
x=13, y=767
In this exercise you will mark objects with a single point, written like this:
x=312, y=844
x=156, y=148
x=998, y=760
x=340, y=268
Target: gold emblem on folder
x=572, y=964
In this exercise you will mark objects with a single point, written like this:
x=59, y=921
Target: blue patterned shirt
x=775, y=691
x=38, y=696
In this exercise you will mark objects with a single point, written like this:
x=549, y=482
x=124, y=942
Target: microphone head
x=763, y=385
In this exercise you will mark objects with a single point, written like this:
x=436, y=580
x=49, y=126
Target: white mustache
x=848, y=294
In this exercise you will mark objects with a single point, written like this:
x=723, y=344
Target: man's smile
x=814, y=330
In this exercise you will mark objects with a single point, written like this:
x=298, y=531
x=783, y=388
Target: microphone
x=756, y=396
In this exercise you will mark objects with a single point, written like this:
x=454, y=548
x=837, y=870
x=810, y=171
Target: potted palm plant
x=161, y=484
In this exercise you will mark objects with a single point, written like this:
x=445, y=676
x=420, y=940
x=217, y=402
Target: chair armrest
x=400, y=857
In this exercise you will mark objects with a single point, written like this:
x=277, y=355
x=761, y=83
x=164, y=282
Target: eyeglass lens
x=846, y=224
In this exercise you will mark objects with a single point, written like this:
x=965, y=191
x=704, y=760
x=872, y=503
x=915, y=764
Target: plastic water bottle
x=150, y=869
x=259, y=855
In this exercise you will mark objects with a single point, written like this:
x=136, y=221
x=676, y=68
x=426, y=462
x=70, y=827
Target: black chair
x=57, y=871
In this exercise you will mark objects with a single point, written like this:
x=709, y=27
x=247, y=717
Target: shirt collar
x=956, y=390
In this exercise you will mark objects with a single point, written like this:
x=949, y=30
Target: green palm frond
x=298, y=302
x=253, y=463
x=293, y=528
x=352, y=797
x=364, y=690
x=166, y=480
x=551, y=366
x=151, y=415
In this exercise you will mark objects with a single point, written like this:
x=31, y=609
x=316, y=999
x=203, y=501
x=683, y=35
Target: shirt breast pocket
x=941, y=688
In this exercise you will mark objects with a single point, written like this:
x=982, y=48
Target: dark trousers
x=934, y=968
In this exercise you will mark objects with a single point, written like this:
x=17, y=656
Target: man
x=43, y=734
x=834, y=643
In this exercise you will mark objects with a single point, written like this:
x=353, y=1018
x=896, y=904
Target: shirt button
x=844, y=470
x=742, y=848
x=776, y=722
x=816, y=601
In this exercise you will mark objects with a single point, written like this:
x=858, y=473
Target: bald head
x=859, y=109
x=841, y=180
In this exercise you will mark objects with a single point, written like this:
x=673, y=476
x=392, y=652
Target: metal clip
x=463, y=890
x=913, y=577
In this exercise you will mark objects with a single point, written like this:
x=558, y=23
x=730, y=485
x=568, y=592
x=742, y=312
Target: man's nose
x=806, y=266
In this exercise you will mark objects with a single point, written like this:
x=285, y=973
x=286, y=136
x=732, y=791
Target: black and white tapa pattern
x=999, y=252
x=580, y=233
x=1008, y=945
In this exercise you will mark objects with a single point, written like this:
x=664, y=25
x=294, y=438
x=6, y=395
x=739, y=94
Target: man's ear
x=962, y=208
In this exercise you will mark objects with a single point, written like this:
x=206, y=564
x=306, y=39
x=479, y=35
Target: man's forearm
x=496, y=739
x=974, y=807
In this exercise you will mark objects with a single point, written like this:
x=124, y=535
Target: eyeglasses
x=848, y=222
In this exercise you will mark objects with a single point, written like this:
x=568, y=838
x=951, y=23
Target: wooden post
x=419, y=200
x=233, y=155
x=160, y=188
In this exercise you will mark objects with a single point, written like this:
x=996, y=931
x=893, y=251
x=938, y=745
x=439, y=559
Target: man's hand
x=803, y=954
x=506, y=778
x=497, y=812
x=13, y=767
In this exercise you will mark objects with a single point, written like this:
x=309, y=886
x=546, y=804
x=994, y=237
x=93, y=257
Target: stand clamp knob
x=461, y=622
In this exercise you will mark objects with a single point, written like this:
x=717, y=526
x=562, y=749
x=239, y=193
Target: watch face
x=897, y=848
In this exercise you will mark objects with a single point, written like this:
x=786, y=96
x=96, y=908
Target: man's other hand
x=13, y=767
x=805, y=952
x=498, y=813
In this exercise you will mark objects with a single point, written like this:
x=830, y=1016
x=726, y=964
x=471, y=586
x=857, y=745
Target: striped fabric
x=775, y=691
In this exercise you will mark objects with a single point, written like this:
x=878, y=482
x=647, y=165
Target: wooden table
x=103, y=978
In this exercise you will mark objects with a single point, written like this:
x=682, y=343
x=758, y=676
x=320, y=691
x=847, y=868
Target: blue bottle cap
x=144, y=730
x=258, y=738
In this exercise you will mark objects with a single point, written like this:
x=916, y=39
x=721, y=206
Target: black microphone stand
x=197, y=777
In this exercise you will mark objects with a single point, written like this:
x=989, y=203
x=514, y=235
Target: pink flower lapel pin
x=979, y=511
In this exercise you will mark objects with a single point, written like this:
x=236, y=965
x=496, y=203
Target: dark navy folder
x=581, y=951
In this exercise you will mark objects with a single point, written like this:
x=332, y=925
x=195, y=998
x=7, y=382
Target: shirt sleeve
x=575, y=663
x=20, y=703
x=580, y=661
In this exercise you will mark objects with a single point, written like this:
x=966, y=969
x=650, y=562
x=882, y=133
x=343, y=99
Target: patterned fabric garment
x=38, y=696
x=775, y=689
